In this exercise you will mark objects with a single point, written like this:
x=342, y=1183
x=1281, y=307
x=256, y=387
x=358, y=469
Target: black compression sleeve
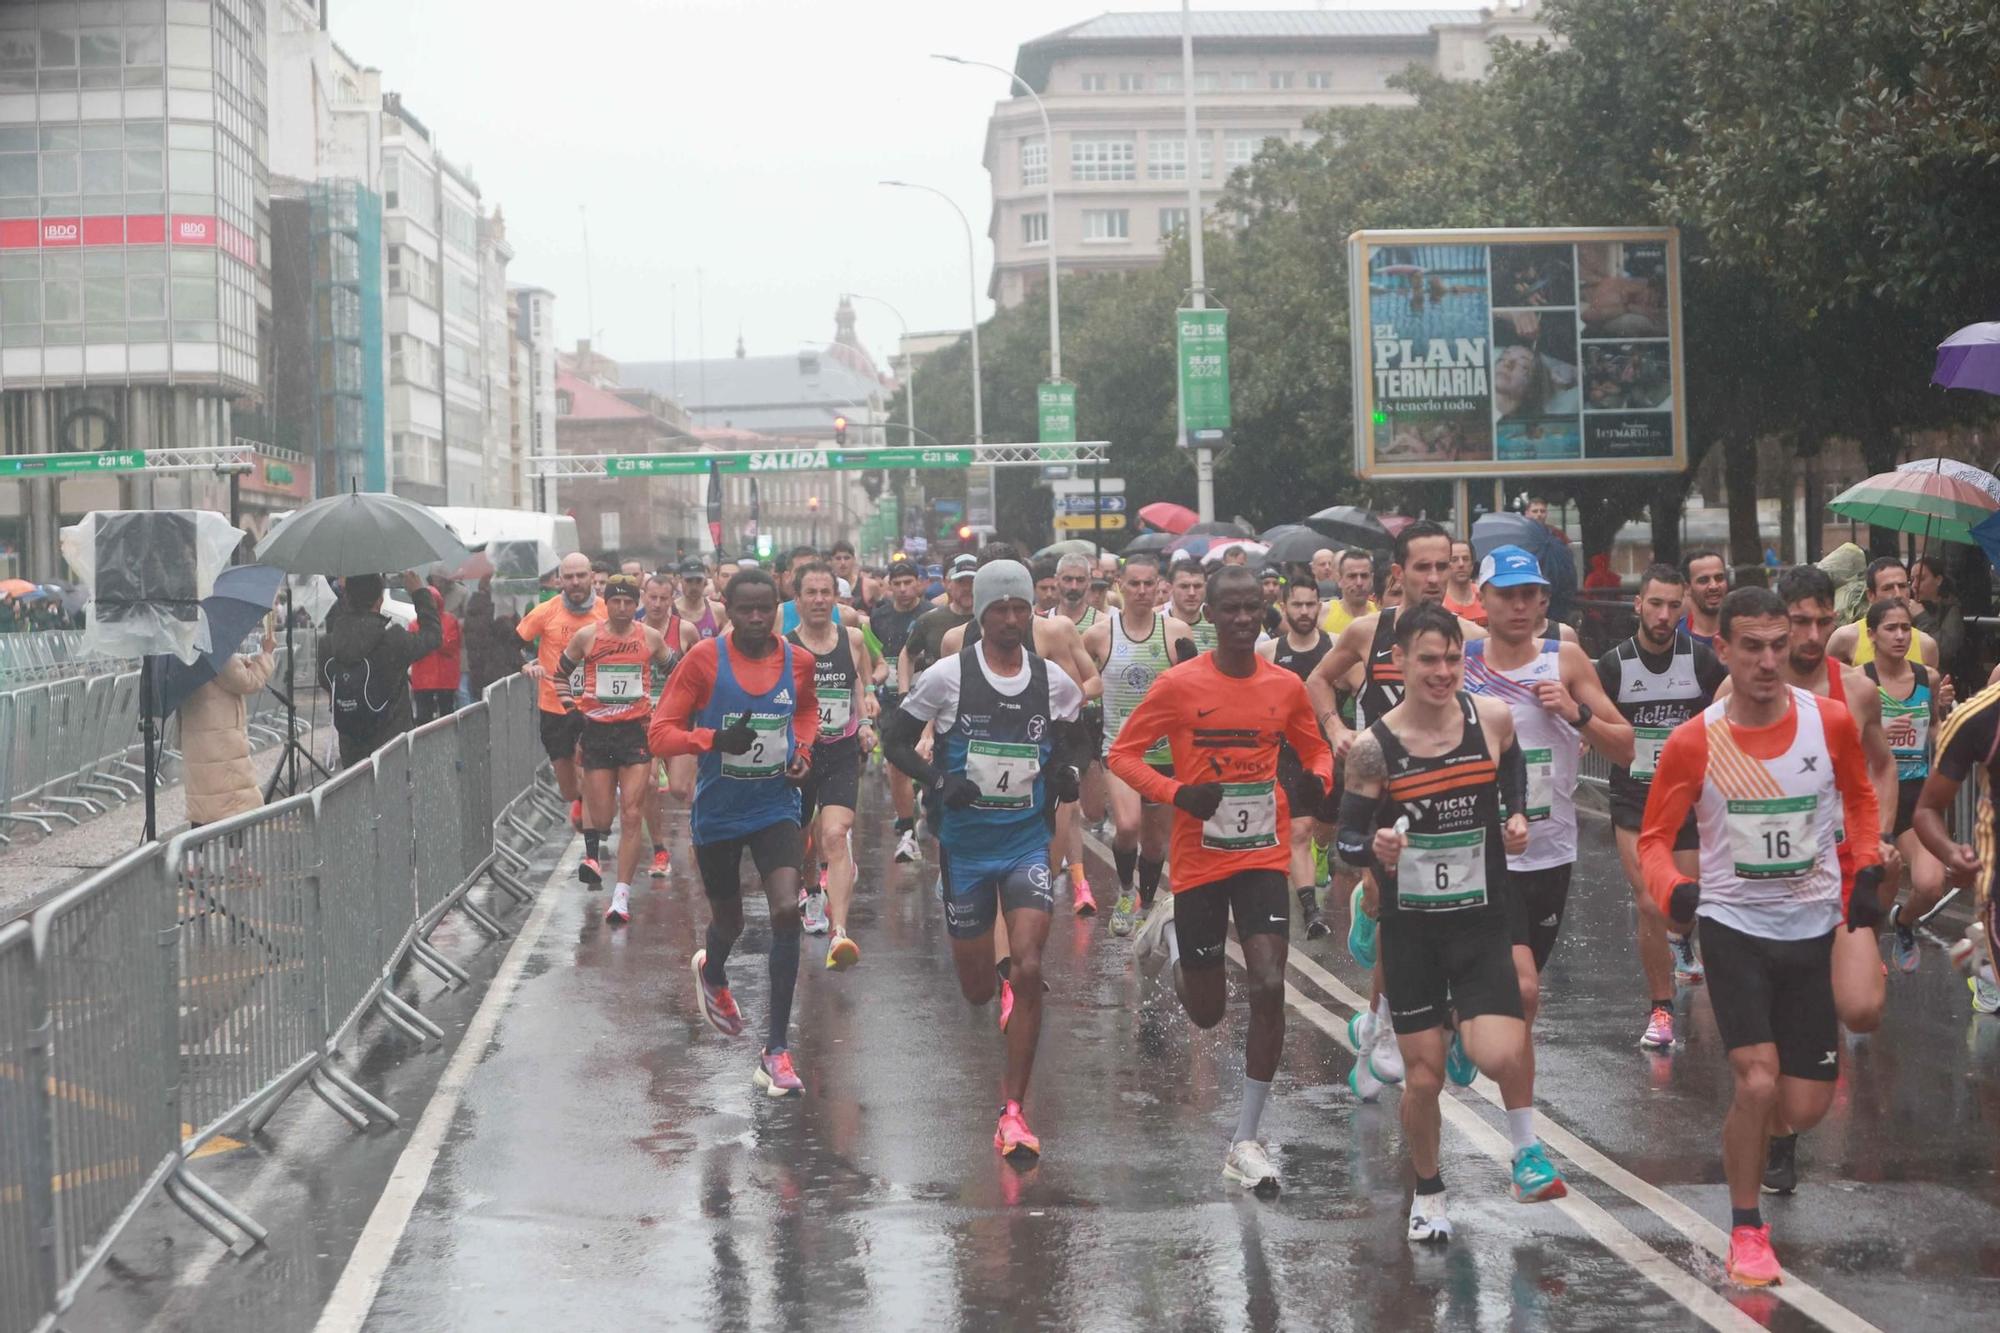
x=900, y=734
x=1354, y=842
x=1513, y=780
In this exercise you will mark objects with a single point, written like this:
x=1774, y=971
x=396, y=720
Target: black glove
x=1200, y=799
x=957, y=791
x=737, y=737
x=1682, y=902
x=1185, y=651
x=1065, y=783
x=1864, y=902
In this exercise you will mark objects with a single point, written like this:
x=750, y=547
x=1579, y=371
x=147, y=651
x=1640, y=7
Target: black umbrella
x=242, y=597
x=1549, y=547
x=1291, y=544
x=1237, y=528
x=361, y=532
x=1353, y=526
x=1150, y=543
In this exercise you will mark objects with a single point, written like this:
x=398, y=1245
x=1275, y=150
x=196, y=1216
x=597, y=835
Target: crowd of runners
x=1404, y=753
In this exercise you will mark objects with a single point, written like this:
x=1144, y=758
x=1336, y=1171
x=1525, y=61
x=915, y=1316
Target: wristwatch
x=1583, y=716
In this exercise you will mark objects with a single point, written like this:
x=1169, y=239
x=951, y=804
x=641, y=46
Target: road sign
x=1203, y=339
x=56, y=465
x=1055, y=412
x=1085, y=486
x=1086, y=503
x=783, y=460
x=1089, y=522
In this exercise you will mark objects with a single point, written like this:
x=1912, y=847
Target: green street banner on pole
x=56, y=465
x=1203, y=339
x=1055, y=412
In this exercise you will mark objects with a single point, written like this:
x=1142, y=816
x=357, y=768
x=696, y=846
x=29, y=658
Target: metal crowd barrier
x=189, y=989
x=52, y=654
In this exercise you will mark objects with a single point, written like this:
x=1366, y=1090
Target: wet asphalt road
x=611, y=1166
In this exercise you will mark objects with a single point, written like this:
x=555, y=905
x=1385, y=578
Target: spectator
x=215, y=739
x=365, y=661
x=1845, y=564
x=490, y=647
x=434, y=679
x=1941, y=616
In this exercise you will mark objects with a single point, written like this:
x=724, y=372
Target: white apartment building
x=503, y=470
x=535, y=387
x=1112, y=88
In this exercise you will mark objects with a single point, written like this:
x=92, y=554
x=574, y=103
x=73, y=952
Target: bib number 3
x=1247, y=819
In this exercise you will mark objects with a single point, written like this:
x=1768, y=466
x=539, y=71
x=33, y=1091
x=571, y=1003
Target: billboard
x=1516, y=352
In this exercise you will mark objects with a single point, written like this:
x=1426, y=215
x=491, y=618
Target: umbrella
x=1352, y=525
x=362, y=532
x=16, y=587
x=477, y=566
x=1234, y=528
x=242, y=597
x=1253, y=551
x=1549, y=547
x=1069, y=546
x=1927, y=503
x=1957, y=471
x=1169, y=517
x=1986, y=534
x=1196, y=544
x=1149, y=543
x=1292, y=544
x=1970, y=359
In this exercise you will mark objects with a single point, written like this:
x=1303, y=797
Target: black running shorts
x=1627, y=813
x=835, y=778
x=614, y=745
x=1260, y=901
x=1535, y=909
x=559, y=734
x=1438, y=963
x=1907, y=792
x=1778, y=992
x=775, y=847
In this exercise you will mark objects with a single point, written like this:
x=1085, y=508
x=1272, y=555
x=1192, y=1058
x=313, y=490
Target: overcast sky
x=743, y=138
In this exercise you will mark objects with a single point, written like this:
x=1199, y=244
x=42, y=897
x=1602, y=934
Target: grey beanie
x=999, y=581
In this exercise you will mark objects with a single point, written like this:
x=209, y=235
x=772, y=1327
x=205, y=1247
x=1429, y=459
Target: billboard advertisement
x=1516, y=352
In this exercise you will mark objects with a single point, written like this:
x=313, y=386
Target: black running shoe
x=1781, y=1164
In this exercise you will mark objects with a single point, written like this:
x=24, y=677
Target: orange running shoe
x=1751, y=1260
x=1013, y=1137
x=1086, y=905
x=660, y=863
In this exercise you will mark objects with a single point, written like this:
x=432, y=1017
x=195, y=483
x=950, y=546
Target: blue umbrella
x=1987, y=533
x=243, y=596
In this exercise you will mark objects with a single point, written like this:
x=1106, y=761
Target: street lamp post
x=1049, y=196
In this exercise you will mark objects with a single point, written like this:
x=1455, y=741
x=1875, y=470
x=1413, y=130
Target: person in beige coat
x=215, y=739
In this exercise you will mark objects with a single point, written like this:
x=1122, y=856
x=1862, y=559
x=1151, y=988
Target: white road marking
x=347, y=1308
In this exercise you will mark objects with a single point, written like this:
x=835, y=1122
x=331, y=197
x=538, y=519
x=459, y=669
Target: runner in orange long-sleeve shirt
x=1224, y=714
x=1772, y=772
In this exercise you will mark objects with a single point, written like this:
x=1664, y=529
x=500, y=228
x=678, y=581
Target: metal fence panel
x=350, y=910
x=252, y=988
x=27, y=1217
x=435, y=781
x=30, y=746
x=475, y=790
x=395, y=870
x=105, y=953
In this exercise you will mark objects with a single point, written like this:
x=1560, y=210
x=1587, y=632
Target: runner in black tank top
x=1310, y=836
x=828, y=795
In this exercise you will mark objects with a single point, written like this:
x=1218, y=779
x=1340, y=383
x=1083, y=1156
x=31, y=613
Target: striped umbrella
x=1930, y=504
x=1957, y=470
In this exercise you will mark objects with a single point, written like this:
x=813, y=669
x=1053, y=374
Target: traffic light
x=840, y=430
x=965, y=535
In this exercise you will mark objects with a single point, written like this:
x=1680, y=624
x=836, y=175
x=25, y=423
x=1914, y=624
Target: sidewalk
x=38, y=866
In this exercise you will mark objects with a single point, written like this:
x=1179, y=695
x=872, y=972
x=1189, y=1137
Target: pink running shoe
x=1752, y=1263
x=776, y=1076
x=1013, y=1137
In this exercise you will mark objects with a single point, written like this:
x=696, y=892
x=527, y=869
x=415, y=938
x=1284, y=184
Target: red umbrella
x=1169, y=517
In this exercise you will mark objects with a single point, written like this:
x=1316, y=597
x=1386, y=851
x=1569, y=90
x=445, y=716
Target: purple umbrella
x=1970, y=359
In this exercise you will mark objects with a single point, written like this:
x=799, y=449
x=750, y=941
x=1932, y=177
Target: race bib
x=1005, y=773
x=1541, y=783
x=1160, y=754
x=835, y=708
x=1247, y=819
x=1775, y=838
x=767, y=754
x=889, y=681
x=1647, y=742
x=1442, y=872
x=620, y=683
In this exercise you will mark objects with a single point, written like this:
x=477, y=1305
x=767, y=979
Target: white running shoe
x=1385, y=1057
x=812, y=914
x=1150, y=947
x=620, y=910
x=1251, y=1167
x=1364, y=1085
x=906, y=845
x=1429, y=1224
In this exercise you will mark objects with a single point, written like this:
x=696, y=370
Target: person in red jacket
x=434, y=679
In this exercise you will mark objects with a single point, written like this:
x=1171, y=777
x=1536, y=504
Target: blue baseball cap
x=1509, y=567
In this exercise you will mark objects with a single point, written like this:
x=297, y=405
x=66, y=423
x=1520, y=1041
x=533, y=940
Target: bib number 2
x=766, y=756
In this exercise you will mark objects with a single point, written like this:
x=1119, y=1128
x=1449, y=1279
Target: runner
x=1912, y=704
x=1272, y=581
x=1298, y=649
x=1658, y=678
x=1356, y=576
x=1073, y=590
x=923, y=649
x=548, y=628
x=842, y=671
x=1859, y=988
x=693, y=604
x=674, y=779
x=1363, y=663
x=891, y=623
x=1185, y=602
x=1073, y=593
x=1228, y=717
x=1887, y=580
x=1004, y=752
x=1046, y=596
x=1130, y=650
x=744, y=705
x=1461, y=594
x=1553, y=692
x=606, y=677
x=1706, y=574
x=1969, y=740
x=846, y=566
x=1770, y=771
x=1436, y=790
